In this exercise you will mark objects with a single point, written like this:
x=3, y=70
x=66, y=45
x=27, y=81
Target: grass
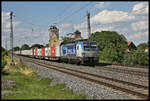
x=33, y=87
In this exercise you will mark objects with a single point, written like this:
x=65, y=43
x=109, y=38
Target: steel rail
x=143, y=74
x=96, y=81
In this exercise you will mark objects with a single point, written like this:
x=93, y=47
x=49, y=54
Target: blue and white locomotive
x=80, y=52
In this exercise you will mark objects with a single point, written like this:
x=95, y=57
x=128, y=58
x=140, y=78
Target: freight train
x=79, y=52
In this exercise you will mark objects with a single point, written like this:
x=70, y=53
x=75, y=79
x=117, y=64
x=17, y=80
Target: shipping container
x=20, y=52
x=39, y=52
x=52, y=51
x=57, y=51
x=33, y=52
x=30, y=52
x=36, y=51
x=47, y=51
x=43, y=51
x=27, y=52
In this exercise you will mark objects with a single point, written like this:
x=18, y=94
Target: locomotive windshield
x=90, y=46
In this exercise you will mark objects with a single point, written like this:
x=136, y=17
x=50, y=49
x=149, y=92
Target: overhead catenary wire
x=62, y=12
x=75, y=12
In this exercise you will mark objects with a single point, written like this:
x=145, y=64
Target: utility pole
x=11, y=37
x=88, y=23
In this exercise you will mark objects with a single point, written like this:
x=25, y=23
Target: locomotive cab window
x=90, y=46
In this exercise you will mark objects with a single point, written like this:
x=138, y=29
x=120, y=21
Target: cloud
x=140, y=8
x=140, y=25
x=65, y=29
x=139, y=35
x=65, y=26
x=102, y=5
x=5, y=16
x=111, y=16
x=6, y=22
x=103, y=28
x=81, y=26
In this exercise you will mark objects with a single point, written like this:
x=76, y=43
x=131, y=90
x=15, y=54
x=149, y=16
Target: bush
x=108, y=55
x=4, y=62
x=136, y=58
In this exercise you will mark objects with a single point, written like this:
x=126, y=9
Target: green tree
x=136, y=57
x=142, y=46
x=16, y=48
x=3, y=60
x=65, y=40
x=37, y=45
x=112, y=45
x=25, y=47
x=123, y=37
x=47, y=45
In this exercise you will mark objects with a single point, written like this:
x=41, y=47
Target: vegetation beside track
x=112, y=46
x=33, y=86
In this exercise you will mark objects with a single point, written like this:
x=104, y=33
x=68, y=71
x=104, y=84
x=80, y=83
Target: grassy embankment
x=32, y=86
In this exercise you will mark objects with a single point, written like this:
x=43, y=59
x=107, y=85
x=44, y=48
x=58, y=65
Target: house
x=146, y=49
x=131, y=46
x=127, y=50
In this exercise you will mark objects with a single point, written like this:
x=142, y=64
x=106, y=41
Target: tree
x=37, y=45
x=112, y=45
x=65, y=40
x=47, y=45
x=142, y=46
x=123, y=37
x=4, y=62
x=136, y=57
x=25, y=47
x=16, y=48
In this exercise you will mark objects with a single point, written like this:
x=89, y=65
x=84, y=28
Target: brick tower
x=53, y=36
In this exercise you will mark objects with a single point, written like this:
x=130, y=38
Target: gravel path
x=80, y=86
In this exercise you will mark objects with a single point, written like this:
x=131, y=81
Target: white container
x=31, y=52
x=46, y=51
x=57, y=51
x=27, y=52
x=39, y=52
x=18, y=52
x=23, y=52
x=49, y=51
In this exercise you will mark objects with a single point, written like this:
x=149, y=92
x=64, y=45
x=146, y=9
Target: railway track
x=136, y=90
x=139, y=67
x=131, y=72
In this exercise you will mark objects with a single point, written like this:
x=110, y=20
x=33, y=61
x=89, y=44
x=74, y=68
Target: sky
x=32, y=20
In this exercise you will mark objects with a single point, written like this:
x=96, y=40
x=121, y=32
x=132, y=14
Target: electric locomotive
x=80, y=52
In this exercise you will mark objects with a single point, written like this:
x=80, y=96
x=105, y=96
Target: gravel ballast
x=110, y=74
x=80, y=86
